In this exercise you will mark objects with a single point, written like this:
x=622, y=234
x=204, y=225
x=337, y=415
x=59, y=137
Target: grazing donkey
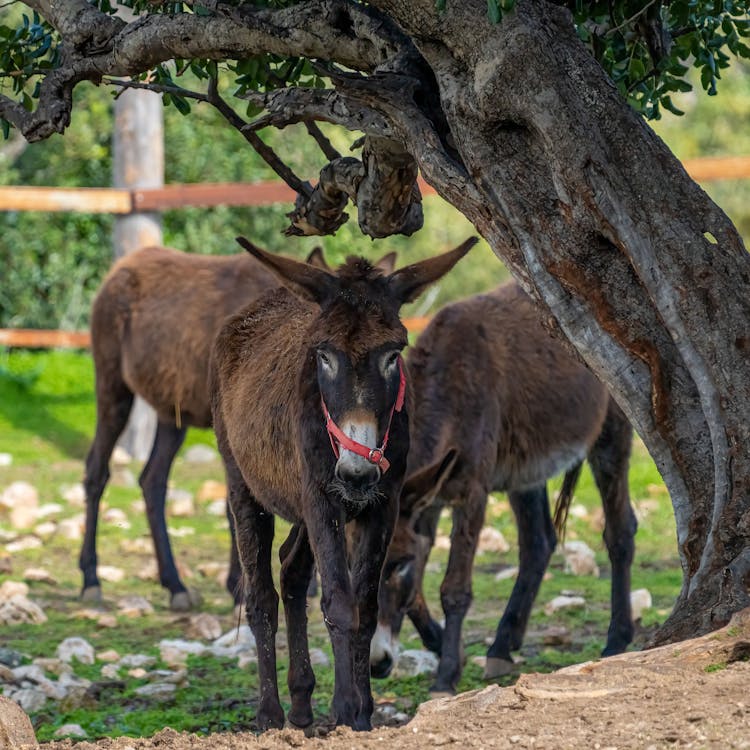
x=308, y=393
x=152, y=325
x=499, y=405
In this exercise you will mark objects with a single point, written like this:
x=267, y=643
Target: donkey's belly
x=512, y=474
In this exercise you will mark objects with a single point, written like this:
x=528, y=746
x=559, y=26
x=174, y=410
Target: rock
x=20, y=494
x=212, y=490
x=106, y=621
x=53, y=666
x=71, y=730
x=110, y=671
x=200, y=454
x=149, y=571
x=492, y=540
x=578, y=511
x=415, y=662
x=29, y=699
x=174, y=653
x=6, y=459
x=137, y=660
x=212, y=569
x=6, y=674
x=45, y=530
x=640, y=599
x=49, y=509
x=120, y=457
x=23, y=517
x=134, y=606
x=203, y=626
x=9, y=657
x=597, y=520
x=75, y=648
x=110, y=573
x=32, y=676
x=109, y=655
x=319, y=658
x=10, y=589
x=138, y=673
x=31, y=672
x=168, y=677
x=240, y=638
x=71, y=528
x=217, y=508
x=39, y=575
x=556, y=635
x=509, y=572
x=141, y=545
x=564, y=602
x=138, y=506
x=123, y=478
x=6, y=564
x=180, y=503
x=246, y=658
x=16, y=731
x=580, y=559
x=19, y=610
x=179, y=531
x=24, y=543
x=480, y=661
x=74, y=494
x=442, y=542
x=116, y=517
x=158, y=691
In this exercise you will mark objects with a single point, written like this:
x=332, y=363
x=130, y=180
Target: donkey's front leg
x=375, y=528
x=325, y=528
x=455, y=591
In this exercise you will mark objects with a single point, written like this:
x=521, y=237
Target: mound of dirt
x=689, y=695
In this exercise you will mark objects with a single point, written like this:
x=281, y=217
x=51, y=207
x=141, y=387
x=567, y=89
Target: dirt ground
x=694, y=694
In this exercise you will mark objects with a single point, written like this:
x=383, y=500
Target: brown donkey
x=308, y=396
x=152, y=325
x=500, y=405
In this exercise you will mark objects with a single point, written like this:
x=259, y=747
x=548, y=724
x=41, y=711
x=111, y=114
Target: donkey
x=310, y=413
x=152, y=325
x=500, y=406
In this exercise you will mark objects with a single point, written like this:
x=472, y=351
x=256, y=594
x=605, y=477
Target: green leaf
x=440, y=5
x=493, y=11
x=5, y=125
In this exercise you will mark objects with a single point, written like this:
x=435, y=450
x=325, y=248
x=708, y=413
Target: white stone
x=580, y=559
x=640, y=599
x=19, y=610
x=123, y=478
x=579, y=511
x=149, y=571
x=71, y=528
x=120, y=457
x=158, y=691
x=23, y=517
x=16, y=731
x=415, y=662
x=138, y=506
x=39, y=575
x=211, y=569
x=141, y=545
x=71, y=680
x=442, y=542
x=217, y=508
x=115, y=516
x=110, y=671
x=319, y=658
x=71, y=730
x=168, y=677
x=200, y=454
x=110, y=573
x=181, y=503
x=30, y=699
x=246, y=658
x=203, y=626
x=212, y=490
x=13, y=588
x=109, y=655
x=6, y=459
x=174, y=653
x=53, y=666
x=180, y=531
x=31, y=672
x=24, y=543
x=49, y=509
x=492, y=540
x=45, y=530
x=20, y=494
x=506, y=573
x=75, y=648
x=130, y=661
x=239, y=636
x=74, y=494
x=134, y=606
x=564, y=602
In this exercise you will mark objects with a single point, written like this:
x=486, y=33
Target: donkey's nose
x=357, y=472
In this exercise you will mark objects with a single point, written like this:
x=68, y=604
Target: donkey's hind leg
x=609, y=459
x=113, y=402
x=296, y=573
x=153, y=481
x=536, y=543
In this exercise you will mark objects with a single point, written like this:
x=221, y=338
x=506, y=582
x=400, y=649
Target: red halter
x=374, y=455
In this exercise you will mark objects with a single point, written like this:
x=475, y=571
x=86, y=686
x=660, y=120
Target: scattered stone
x=141, y=545
x=87, y=614
x=123, y=478
x=174, y=653
x=9, y=589
x=134, y=606
x=110, y=671
x=71, y=730
x=18, y=610
x=217, y=508
x=45, y=530
x=442, y=542
x=211, y=569
x=492, y=540
x=6, y=459
x=168, y=677
x=149, y=571
x=71, y=680
x=120, y=457
x=564, y=602
x=49, y=509
x=510, y=572
x=24, y=543
x=179, y=531
x=117, y=517
x=71, y=528
x=109, y=655
x=23, y=517
x=75, y=648
x=53, y=666
x=9, y=657
x=212, y=490
x=39, y=575
x=20, y=494
x=246, y=658
x=137, y=660
x=158, y=691
x=106, y=621
x=110, y=573
x=640, y=599
x=200, y=454
x=597, y=520
x=319, y=658
x=31, y=672
x=204, y=626
x=180, y=503
x=556, y=635
x=6, y=563
x=480, y=661
x=579, y=511
x=415, y=662
x=236, y=640
x=580, y=559
x=138, y=506
x=29, y=699
x=74, y=494
x=138, y=673
x=6, y=674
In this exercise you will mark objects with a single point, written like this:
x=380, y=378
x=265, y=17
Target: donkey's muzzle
x=356, y=472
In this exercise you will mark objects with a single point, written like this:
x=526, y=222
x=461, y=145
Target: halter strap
x=339, y=439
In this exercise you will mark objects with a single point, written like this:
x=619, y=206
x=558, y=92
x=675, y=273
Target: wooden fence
x=119, y=201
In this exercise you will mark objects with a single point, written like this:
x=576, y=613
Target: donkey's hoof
x=184, y=601
x=91, y=594
x=497, y=667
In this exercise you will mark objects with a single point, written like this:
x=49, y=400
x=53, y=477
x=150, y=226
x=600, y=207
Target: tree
x=518, y=116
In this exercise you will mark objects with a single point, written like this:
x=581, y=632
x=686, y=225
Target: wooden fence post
x=138, y=162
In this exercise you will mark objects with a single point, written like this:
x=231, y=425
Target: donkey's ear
x=421, y=487
x=387, y=263
x=305, y=281
x=409, y=282
x=317, y=259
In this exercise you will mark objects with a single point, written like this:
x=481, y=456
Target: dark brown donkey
x=152, y=325
x=308, y=404
x=500, y=405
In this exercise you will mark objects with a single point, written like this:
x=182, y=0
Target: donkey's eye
x=328, y=361
x=390, y=360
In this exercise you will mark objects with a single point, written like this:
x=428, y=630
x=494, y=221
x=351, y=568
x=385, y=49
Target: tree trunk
x=641, y=270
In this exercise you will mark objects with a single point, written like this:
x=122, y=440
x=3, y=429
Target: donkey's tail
x=564, y=499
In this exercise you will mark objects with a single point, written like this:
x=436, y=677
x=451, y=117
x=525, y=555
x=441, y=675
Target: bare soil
x=692, y=694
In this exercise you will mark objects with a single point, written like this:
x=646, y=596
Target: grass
x=47, y=417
